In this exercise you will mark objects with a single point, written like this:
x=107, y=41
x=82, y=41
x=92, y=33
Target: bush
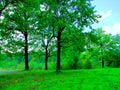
x=87, y=64
x=36, y=65
x=76, y=63
x=79, y=65
x=72, y=64
x=65, y=66
x=51, y=65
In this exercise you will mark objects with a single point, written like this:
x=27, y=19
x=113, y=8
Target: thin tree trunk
x=46, y=58
x=102, y=62
x=58, y=51
x=26, y=51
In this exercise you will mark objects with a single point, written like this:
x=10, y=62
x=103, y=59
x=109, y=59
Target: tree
x=21, y=20
x=48, y=42
x=115, y=61
x=4, y=4
x=68, y=14
x=103, y=44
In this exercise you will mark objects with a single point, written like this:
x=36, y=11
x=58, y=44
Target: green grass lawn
x=96, y=79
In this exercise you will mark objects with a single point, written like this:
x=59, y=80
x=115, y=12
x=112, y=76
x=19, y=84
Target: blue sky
x=110, y=21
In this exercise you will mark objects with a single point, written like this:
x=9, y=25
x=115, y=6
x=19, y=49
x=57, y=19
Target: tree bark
x=102, y=62
x=46, y=58
x=58, y=51
x=26, y=51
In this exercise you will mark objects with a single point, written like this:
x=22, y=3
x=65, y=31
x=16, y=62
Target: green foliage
x=72, y=64
x=87, y=64
x=80, y=50
x=2, y=57
x=85, y=60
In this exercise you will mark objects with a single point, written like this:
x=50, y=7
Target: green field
x=94, y=79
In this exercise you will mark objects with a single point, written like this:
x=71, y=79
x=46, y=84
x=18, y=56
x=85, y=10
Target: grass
x=94, y=79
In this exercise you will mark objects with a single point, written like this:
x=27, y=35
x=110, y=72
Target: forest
x=55, y=37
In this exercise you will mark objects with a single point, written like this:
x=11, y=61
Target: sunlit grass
x=97, y=79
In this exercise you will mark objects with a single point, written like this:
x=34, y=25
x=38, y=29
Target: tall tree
x=68, y=14
x=21, y=20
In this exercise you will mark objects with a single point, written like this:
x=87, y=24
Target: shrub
x=36, y=65
x=72, y=64
x=87, y=64
x=51, y=65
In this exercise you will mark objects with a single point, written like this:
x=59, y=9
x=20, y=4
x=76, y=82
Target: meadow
x=84, y=79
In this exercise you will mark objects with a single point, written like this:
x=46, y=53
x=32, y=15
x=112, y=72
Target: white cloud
x=108, y=23
x=114, y=29
x=105, y=15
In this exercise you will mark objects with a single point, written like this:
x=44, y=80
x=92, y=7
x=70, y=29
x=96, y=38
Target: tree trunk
x=26, y=51
x=58, y=51
x=46, y=58
x=102, y=62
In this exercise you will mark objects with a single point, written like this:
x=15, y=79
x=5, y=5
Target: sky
x=110, y=21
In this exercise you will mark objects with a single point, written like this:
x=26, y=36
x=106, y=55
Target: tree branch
x=7, y=4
